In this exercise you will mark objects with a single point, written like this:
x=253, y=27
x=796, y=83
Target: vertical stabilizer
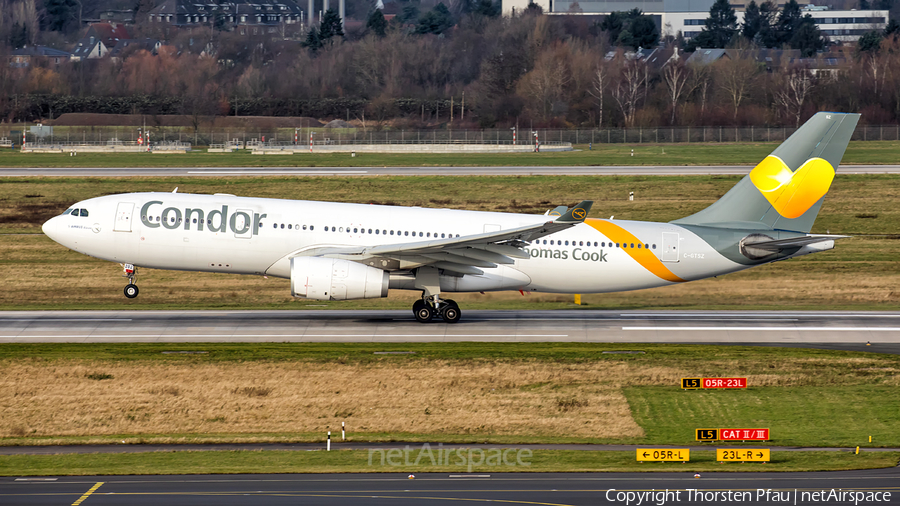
x=785, y=191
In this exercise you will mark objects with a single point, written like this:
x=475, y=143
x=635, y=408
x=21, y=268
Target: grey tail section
x=825, y=135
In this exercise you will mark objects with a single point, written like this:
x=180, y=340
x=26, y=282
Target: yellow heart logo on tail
x=792, y=193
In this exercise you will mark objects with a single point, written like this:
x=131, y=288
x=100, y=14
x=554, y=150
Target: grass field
x=506, y=394
x=861, y=273
x=357, y=461
x=874, y=152
x=466, y=392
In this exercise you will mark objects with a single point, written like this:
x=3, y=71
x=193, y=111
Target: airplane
x=338, y=251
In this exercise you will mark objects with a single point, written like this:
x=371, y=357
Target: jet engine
x=334, y=279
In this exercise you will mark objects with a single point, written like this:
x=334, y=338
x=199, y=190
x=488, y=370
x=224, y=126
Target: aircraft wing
x=462, y=255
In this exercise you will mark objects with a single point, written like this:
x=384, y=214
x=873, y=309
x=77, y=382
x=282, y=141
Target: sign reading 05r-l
x=663, y=454
x=743, y=455
x=698, y=383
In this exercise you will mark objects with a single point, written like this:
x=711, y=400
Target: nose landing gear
x=131, y=289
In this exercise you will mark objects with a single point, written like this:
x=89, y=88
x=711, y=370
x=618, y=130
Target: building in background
x=689, y=16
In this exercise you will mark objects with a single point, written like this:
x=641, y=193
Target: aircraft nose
x=51, y=228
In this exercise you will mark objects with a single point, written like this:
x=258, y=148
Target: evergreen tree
x=533, y=9
x=330, y=26
x=643, y=30
x=630, y=29
x=807, y=37
x=18, y=35
x=870, y=42
x=788, y=21
x=752, y=21
x=435, y=21
x=720, y=27
x=613, y=24
x=487, y=8
x=61, y=15
x=765, y=37
x=892, y=29
x=313, y=41
x=376, y=23
x=408, y=14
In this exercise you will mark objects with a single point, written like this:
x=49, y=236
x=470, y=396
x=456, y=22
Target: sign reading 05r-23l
x=698, y=383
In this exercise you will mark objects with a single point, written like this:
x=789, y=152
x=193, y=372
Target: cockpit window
x=84, y=212
x=67, y=211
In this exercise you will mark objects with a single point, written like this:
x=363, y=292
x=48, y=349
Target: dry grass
x=528, y=397
x=436, y=397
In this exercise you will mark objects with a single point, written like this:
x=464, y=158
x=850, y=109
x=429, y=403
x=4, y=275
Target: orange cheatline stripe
x=642, y=256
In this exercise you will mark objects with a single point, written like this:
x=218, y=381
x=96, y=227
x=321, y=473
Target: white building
x=689, y=16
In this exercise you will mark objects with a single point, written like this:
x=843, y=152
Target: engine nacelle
x=334, y=279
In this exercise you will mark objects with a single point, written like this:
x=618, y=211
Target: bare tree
x=700, y=83
x=630, y=89
x=544, y=84
x=796, y=83
x=736, y=77
x=598, y=86
x=676, y=76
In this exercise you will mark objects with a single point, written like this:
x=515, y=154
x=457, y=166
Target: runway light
x=412, y=477
x=697, y=475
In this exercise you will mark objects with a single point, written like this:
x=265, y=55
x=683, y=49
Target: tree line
x=485, y=70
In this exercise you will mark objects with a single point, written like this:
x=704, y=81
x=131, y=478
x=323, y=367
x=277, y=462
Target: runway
x=863, y=331
x=620, y=170
x=882, y=487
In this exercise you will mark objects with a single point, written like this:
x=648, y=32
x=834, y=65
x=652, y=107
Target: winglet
x=578, y=213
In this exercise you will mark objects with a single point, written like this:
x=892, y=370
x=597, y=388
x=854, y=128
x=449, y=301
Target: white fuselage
x=225, y=233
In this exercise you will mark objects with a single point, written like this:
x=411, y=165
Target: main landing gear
x=131, y=289
x=426, y=309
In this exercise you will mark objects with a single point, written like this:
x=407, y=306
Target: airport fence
x=351, y=136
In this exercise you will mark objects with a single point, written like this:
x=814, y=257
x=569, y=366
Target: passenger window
x=392, y=232
x=311, y=227
x=406, y=233
x=282, y=226
x=348, y=230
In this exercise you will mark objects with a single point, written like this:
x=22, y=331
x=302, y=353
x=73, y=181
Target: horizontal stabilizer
x=794, y=242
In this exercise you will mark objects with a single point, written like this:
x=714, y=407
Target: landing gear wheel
x=424, y=314
x=131, y=291
x=451, y=313
x=417, y=305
